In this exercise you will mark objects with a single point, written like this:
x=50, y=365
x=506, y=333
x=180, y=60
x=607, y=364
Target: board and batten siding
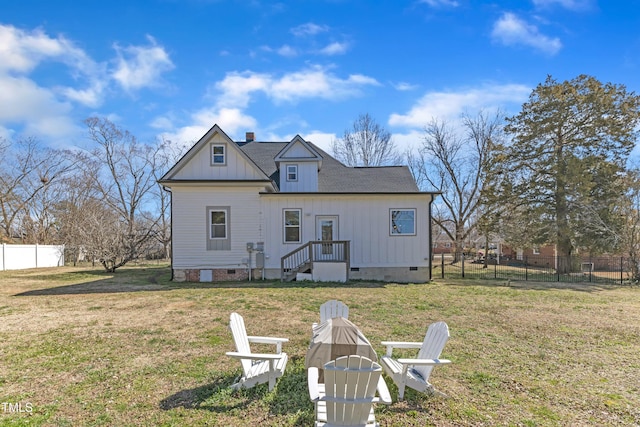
x=190, y=226
x=236, y=167
x=363, y=219
x=307, y=177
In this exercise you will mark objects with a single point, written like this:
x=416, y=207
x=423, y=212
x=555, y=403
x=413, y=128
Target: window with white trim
x=292, y=172
x=292, y=222
x=217, y=224
x=402, y=222
x=218, y=154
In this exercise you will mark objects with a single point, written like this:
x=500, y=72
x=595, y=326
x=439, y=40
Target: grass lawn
x=82, y=347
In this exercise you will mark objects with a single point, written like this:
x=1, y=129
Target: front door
x=326, y=230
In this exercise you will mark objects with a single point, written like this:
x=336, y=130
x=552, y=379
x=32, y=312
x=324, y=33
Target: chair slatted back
x=333, y=308
x=236, y=324
x=350, y=387
x=432, y=346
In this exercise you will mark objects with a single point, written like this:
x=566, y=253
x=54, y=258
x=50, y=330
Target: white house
x=253, y=210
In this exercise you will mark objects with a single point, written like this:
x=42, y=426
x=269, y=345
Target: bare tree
x=28, y=173
x=455, y=162
x=366, y=144
x=123, y=178
x=164, y=156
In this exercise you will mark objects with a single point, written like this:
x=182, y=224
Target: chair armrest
x=383, y=392
x=400, y=344
x=424, y=362
x=269, y=340
x=313, y=374
x=254, y=356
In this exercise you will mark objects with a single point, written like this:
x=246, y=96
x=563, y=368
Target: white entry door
x=327, y=229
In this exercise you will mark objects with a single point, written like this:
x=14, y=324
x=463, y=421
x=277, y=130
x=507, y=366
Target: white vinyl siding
x=363, y=219
x=307, y=177
x=191, y=231
x=201, y=165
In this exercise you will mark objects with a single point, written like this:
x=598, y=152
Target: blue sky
x=174, y=68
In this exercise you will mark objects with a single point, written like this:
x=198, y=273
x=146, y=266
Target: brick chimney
x=250, y=137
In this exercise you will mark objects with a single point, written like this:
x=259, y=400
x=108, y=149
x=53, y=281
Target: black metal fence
x=535, y=268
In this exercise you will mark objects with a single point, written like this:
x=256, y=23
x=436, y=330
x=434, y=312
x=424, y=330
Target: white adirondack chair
x=415, y=373
x=257, y=368
x=332, y=308
x=349, y=391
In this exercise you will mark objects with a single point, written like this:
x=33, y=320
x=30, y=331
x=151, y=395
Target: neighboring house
x=246, y=210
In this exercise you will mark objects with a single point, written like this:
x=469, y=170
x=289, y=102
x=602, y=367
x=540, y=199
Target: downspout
x=168, y=190
x=430, y=239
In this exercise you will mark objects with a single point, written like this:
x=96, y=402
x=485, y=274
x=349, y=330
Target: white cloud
x=404, y=86
x=440, y=3
x=511, y=30
x=334, y=49
x=309, y=29
x=576, y=5
x=314, y=82
x=141, y=66
x=448, y=106
x=21, y=51
x=35, y=109
x=231, y=120
x=321, y=139
x=287, y=51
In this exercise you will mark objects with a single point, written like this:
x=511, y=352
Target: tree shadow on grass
x=533, y=286
x=158, y=279
x=289, y=397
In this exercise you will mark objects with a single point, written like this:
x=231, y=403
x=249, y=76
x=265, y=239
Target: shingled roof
x=334, y=177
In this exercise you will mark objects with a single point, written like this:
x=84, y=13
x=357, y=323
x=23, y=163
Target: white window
x=536, y=250
x=218, y=154
x=402, y=222
x=292, y=225
x=292, y=172
x=217, y=224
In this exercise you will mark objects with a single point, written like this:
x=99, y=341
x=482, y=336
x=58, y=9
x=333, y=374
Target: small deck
x=302, y=259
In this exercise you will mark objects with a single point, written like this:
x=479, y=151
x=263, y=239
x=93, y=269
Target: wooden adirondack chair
x=257, y=368
x=415, y=373
x=349, y=391
x=332, y=308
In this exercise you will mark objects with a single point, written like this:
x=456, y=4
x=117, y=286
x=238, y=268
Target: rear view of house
x=287, y=210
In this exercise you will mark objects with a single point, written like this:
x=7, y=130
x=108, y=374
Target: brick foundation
x=219, y=274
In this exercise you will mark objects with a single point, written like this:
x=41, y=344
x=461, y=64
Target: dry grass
x=81, y=347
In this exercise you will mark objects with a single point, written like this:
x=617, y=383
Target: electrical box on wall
x=260, y=260
x=260, y=246
x=249, y=246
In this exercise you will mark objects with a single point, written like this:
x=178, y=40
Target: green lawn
x=82, y=347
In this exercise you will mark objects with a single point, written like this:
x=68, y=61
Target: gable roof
x=202, y=142
x=335, y=177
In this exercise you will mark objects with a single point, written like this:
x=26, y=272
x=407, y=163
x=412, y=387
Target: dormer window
x=218, y=155
x=292, y=172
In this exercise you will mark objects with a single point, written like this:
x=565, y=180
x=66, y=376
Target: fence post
x=442, y=264
x=462, y=257
x=495, y=269
x=621, y=269
x=526, y=267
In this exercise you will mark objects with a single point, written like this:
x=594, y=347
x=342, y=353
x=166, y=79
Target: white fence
x=18, y=257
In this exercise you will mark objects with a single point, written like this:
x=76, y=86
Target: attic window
x=218, y=155
x=292, y=172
